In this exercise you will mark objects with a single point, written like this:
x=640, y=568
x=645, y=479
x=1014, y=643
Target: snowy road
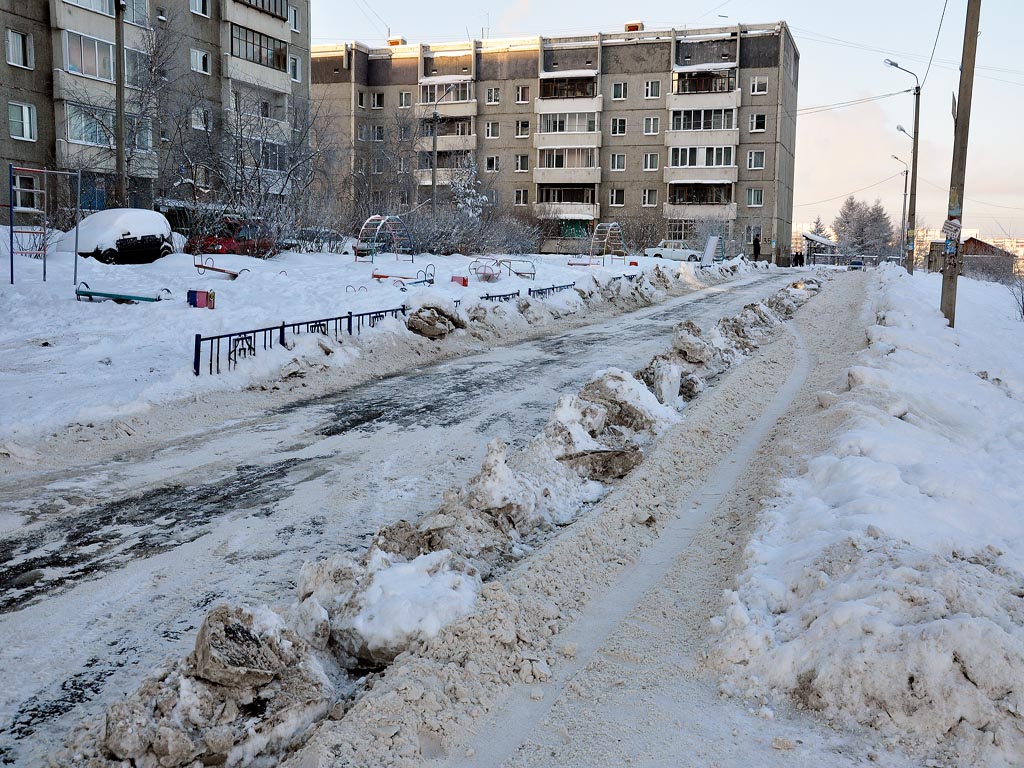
x=115, y=564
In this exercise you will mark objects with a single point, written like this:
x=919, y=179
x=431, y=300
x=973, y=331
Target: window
x=363, y=132
x=493, y=95
x=652, y=125
x=135, y=11
x=361, y=100
x=618, y=126
x=752, y=231
x=619, y=91
x=200, y=61
x=755, y=159
x=21, y=120
x=522, y=94
x=572, y=157
x=757, y=123
x=522, y=197
x=651, y=161
x=650, y=198
x=759, y=85
x=683, y=157
x=293, y=18
x=405, y=99
x=377, y=166
x=755, y=198
x=277, y=8
x=652, y=89
x=522, y=129
x=618, y=162
x=90, y=125
x=295, y=73
x=491, y=164
x=25, y=196
x=491, y=129
x=568, y=87
x=522, y=163
x=702, y=119
x=201, y=119
x=202, y=7
x=259, y=48
x=616, y=197
x=376, y=101
x=136, y=68
x=446, y=93
x=20, y=51
x=376, y=133
x=89, y=56
x=717, y=156
x=568, y=122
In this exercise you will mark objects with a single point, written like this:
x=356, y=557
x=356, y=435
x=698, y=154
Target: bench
x=202, y=265
x=84, y=292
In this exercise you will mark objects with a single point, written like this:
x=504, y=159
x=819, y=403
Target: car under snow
x=122, y=236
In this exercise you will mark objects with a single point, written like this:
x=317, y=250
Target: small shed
x=819, y=249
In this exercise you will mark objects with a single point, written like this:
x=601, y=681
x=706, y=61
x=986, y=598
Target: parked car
x=673, y=249
x=235, y=236
x=122, y=236
x=320, y=239
x=856, y=264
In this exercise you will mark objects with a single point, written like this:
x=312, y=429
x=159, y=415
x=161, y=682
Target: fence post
x=403, y=310
x=281, y=337
x=195, y=352
x=349, y=322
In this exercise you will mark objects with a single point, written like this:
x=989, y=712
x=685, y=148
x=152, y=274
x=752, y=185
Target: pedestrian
x=757, y=247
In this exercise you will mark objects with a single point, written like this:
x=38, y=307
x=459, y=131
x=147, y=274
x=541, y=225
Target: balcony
x=447, y=109
x=724, y=100
x=444, y=176
x=551, y=140
x=143, y=165
x=256, y=74
x=580, y=211
x=256, y=20
x=450, y=143
x=720, y=174
x=566, y=175
x=579, y=104
x=719, y=138
x=725, y=211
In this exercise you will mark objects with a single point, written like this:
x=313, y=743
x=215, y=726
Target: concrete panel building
x=679, y=128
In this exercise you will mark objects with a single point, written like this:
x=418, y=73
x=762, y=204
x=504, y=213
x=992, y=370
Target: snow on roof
x=819, y=239
x=572, y=216
x=702, y=181
x=569, y=73
x=444, y=79
x=710, y=67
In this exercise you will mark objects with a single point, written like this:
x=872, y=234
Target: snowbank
x=884, y=584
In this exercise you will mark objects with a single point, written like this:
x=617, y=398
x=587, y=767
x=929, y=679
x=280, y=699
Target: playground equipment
x=383, y=234
x=84, y=292
x=28, y=193
x=607, y=243
x=203, y=265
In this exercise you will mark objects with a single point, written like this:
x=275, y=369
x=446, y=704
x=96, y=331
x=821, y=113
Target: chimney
x=397, y=40
x=634, y=26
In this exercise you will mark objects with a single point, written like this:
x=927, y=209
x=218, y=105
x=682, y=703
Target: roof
x=445, y=79
x=976, y=247
x=819, y=239
x=569, y=73
x=709, y=67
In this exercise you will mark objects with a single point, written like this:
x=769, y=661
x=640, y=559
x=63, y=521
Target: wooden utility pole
x=120, y=148
x=954, y=217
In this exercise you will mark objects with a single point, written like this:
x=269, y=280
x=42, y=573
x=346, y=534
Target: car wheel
x=108, y=256
x=691, y=258
x=166, y=250
x=658, y=256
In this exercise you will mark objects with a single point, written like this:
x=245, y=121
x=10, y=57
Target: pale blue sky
x=842, y=45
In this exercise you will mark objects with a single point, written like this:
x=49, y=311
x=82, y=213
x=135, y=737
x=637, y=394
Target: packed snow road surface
x=115, y=563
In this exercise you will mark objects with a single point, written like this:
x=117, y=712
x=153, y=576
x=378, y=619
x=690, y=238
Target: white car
x=673, y=249
x=122, y=236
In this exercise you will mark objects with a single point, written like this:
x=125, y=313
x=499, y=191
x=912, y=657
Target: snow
x=101, y=230
x=819, y=239
x=712, y=66
x=445, y=79
x=568, y=73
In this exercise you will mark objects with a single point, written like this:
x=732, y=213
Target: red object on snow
x=463, y=281
x=634, y=263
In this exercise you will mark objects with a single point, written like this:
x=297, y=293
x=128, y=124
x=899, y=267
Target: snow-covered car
x=673, y=249
x=122, y=236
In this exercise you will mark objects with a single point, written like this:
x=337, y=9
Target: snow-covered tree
x=465, y=189
x=863, y=229
x=819, y=228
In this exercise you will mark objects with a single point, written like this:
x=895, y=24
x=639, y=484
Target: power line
x=850, y=103
x=847, y=194
x=935, y=44
x=973, y=199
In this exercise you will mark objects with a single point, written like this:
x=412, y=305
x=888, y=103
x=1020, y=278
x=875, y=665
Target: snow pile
x=101, y=230
x=884, y=585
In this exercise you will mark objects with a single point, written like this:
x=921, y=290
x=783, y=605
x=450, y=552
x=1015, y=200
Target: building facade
x=190, y=67
x=692, y=131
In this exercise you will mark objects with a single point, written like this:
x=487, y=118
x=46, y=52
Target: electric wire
x=848, y=194
x=935, y=44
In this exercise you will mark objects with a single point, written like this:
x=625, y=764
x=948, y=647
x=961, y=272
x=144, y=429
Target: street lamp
x=433, y=160
x=903, y=221
x=912, y=213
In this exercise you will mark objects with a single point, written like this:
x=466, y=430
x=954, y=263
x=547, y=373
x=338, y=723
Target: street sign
x=951, y=228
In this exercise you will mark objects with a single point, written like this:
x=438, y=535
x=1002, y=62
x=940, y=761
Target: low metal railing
x=500, y=296
x=539, y=293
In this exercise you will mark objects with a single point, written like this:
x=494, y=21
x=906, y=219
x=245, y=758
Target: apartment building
x=684, y=127
x=189, y=66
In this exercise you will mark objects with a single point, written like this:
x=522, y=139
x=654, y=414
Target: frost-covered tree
x=863, y=229
x=819, y=228
x=466, y=194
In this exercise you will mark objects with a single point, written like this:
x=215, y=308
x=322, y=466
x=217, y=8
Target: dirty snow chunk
x=630, y=404
x=405, y=602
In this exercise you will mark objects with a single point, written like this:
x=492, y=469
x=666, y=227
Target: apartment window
x=446, y=93
x=522, y=197
x=363, y=132
x=20, y=51
x=522, y=163
x=21, y=120
x=90, y=125
x=259, y=48
x=522, y=94
x=202, y=7
x=619, y=91
x=752, y=231
x=376, y=101
x=651, y=161
x=295, y=73
x=25, y=196
x=652, y=125
x=571, y=157
x=683, y=157
x=755, y=198
x=755, y=159
x=618, y=162
x=89, y=56
x=201, y=119
x=277, y=8
x=757, y=123
x=293, y=18
x=491, y=164
x=717, y=156
x=135, y=11
x=759, y=85
x=493, y=95
x=652, y=89
x=136, y=68
x=568, y=122
x=618, y=126
x=377, y=166
x=376, y=133
x=703, y=119
x=491, y=129
x=522, y=129
x=200, y=61
x=361, y=100
x=616, y=197
x=404, y=99
x=649, y=198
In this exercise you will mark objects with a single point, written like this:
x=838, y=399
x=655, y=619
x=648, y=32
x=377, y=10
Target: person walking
x=757, y=247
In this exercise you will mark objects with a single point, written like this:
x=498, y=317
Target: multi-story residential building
x=191, y=68
x=682, y=127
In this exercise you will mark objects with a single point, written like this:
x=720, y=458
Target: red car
x=233, y=236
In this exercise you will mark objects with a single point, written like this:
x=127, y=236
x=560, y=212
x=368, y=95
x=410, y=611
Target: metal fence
x=540, y=293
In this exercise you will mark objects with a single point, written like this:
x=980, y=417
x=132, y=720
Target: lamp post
x=903, y=220
x=433, y=159
x=912, y=211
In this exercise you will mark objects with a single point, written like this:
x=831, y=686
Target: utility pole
x=433, y=161
x=911, y=232
x=120, y=149
x=954, y=216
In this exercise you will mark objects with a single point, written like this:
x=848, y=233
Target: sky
x=842, y=47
